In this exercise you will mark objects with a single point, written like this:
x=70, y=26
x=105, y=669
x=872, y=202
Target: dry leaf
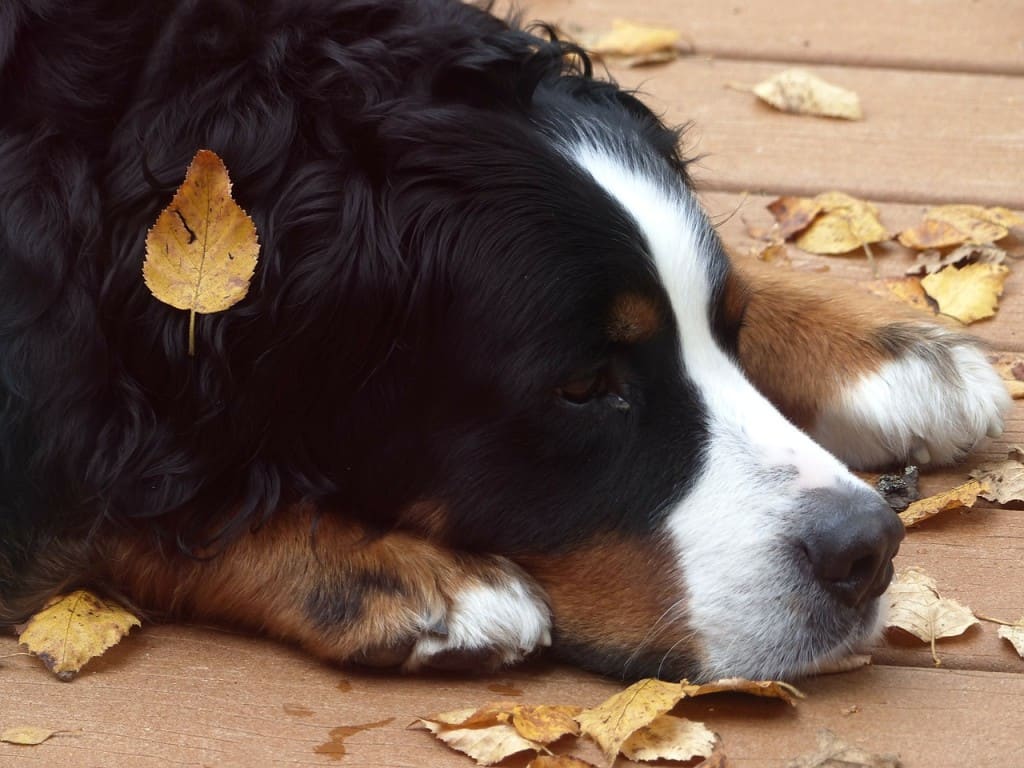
x=968, y=294
x=963, y=495
x=620, y=716
x=904, y=289
x=1004, y=480
x=832, y=752
x=1011, y=369
x=916, y=607
x=800, y=92
x=830, y=223
x=487, y=745
x=633, y=44
x=793, y=214
x=670, y=738
x=949, y=225
x=71, y=629
x=558, y=761
x=931, y=261
x=26, y=735
x=772, y=689
x=545, y=724
x=201, y=252
x=1015, y=634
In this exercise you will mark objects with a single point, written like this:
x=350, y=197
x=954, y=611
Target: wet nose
x=851, y=538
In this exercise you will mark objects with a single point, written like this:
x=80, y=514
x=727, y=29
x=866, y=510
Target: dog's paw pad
x=930, y=405
x=487, y=626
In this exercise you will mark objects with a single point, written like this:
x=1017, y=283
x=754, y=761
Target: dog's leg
x=873, y=384
x=348, y=594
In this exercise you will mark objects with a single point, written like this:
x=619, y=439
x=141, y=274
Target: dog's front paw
x=488, y=624
x=931, y=402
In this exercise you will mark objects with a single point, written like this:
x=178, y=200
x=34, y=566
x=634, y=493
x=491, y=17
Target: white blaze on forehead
x=734, y=528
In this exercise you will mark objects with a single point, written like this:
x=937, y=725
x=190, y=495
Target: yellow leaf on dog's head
x=968, y=294
x=915, y=606
x=613, y=721
x=201, y=252
x=670, y=738
x=74, y=628
x=800, y=92
x=949, y=225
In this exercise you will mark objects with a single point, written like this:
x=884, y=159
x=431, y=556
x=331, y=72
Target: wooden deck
x=942, y=85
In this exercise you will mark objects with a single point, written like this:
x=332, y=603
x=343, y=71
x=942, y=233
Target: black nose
x=850, y=540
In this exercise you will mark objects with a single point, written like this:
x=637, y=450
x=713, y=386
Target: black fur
x=432, y=270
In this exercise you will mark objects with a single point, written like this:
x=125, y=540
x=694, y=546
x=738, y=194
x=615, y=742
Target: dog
x=496, y=385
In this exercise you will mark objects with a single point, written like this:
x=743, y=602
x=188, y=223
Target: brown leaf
x=616, y=719
x=968, y=294
x=26, y=735
x=915, y=606
x=794, y=214
x=201, y=252
x=670, y=738
x=800, y=92
x=949, y=225
x=545, y=724
x=633, y=44
x=931, y=261
x=1004, y=480
x=72, y=629
x=487, y=745
x=558, y=761
x=905, y=289
x=832, y=752
x=1011, y=369
x=963, y=495
x=772, y=689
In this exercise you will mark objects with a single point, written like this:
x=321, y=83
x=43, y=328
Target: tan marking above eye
x=633, y=318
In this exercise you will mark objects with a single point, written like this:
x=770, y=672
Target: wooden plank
x=187, y=696
x=735, y=215
x=980, y=36
x=925, y=137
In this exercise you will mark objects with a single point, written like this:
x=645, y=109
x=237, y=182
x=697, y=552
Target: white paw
x=932, y=404
x=486, y=626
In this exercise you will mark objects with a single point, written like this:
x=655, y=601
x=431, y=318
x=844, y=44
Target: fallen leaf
x=201, y=252
x=72, y=629
x=1004, y=480
x=794, y=214
x=545, y=724
x=916, y=607
x=931, y=261
x=830, y=223
x=670, y=738
x=613, y=721
x=26, y=735
x=968, y=294
x=772, y=689
x=487, y=745
x=905, y=289
x=800, y=92
x=832, y=752
x=1011, y=369
x=633, y=44
x=1015, y=634
x=559, y=761
x=960, y=497
x=949, y=225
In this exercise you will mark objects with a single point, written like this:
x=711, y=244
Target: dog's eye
x=580, y=391
x=601, y=385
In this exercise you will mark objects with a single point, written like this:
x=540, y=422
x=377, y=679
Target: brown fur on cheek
x=634, y=318
x=617, y=597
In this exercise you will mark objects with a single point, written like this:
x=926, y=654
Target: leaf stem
x=192, y=333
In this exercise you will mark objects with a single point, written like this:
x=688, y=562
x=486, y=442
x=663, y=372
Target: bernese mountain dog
x=496, y=385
